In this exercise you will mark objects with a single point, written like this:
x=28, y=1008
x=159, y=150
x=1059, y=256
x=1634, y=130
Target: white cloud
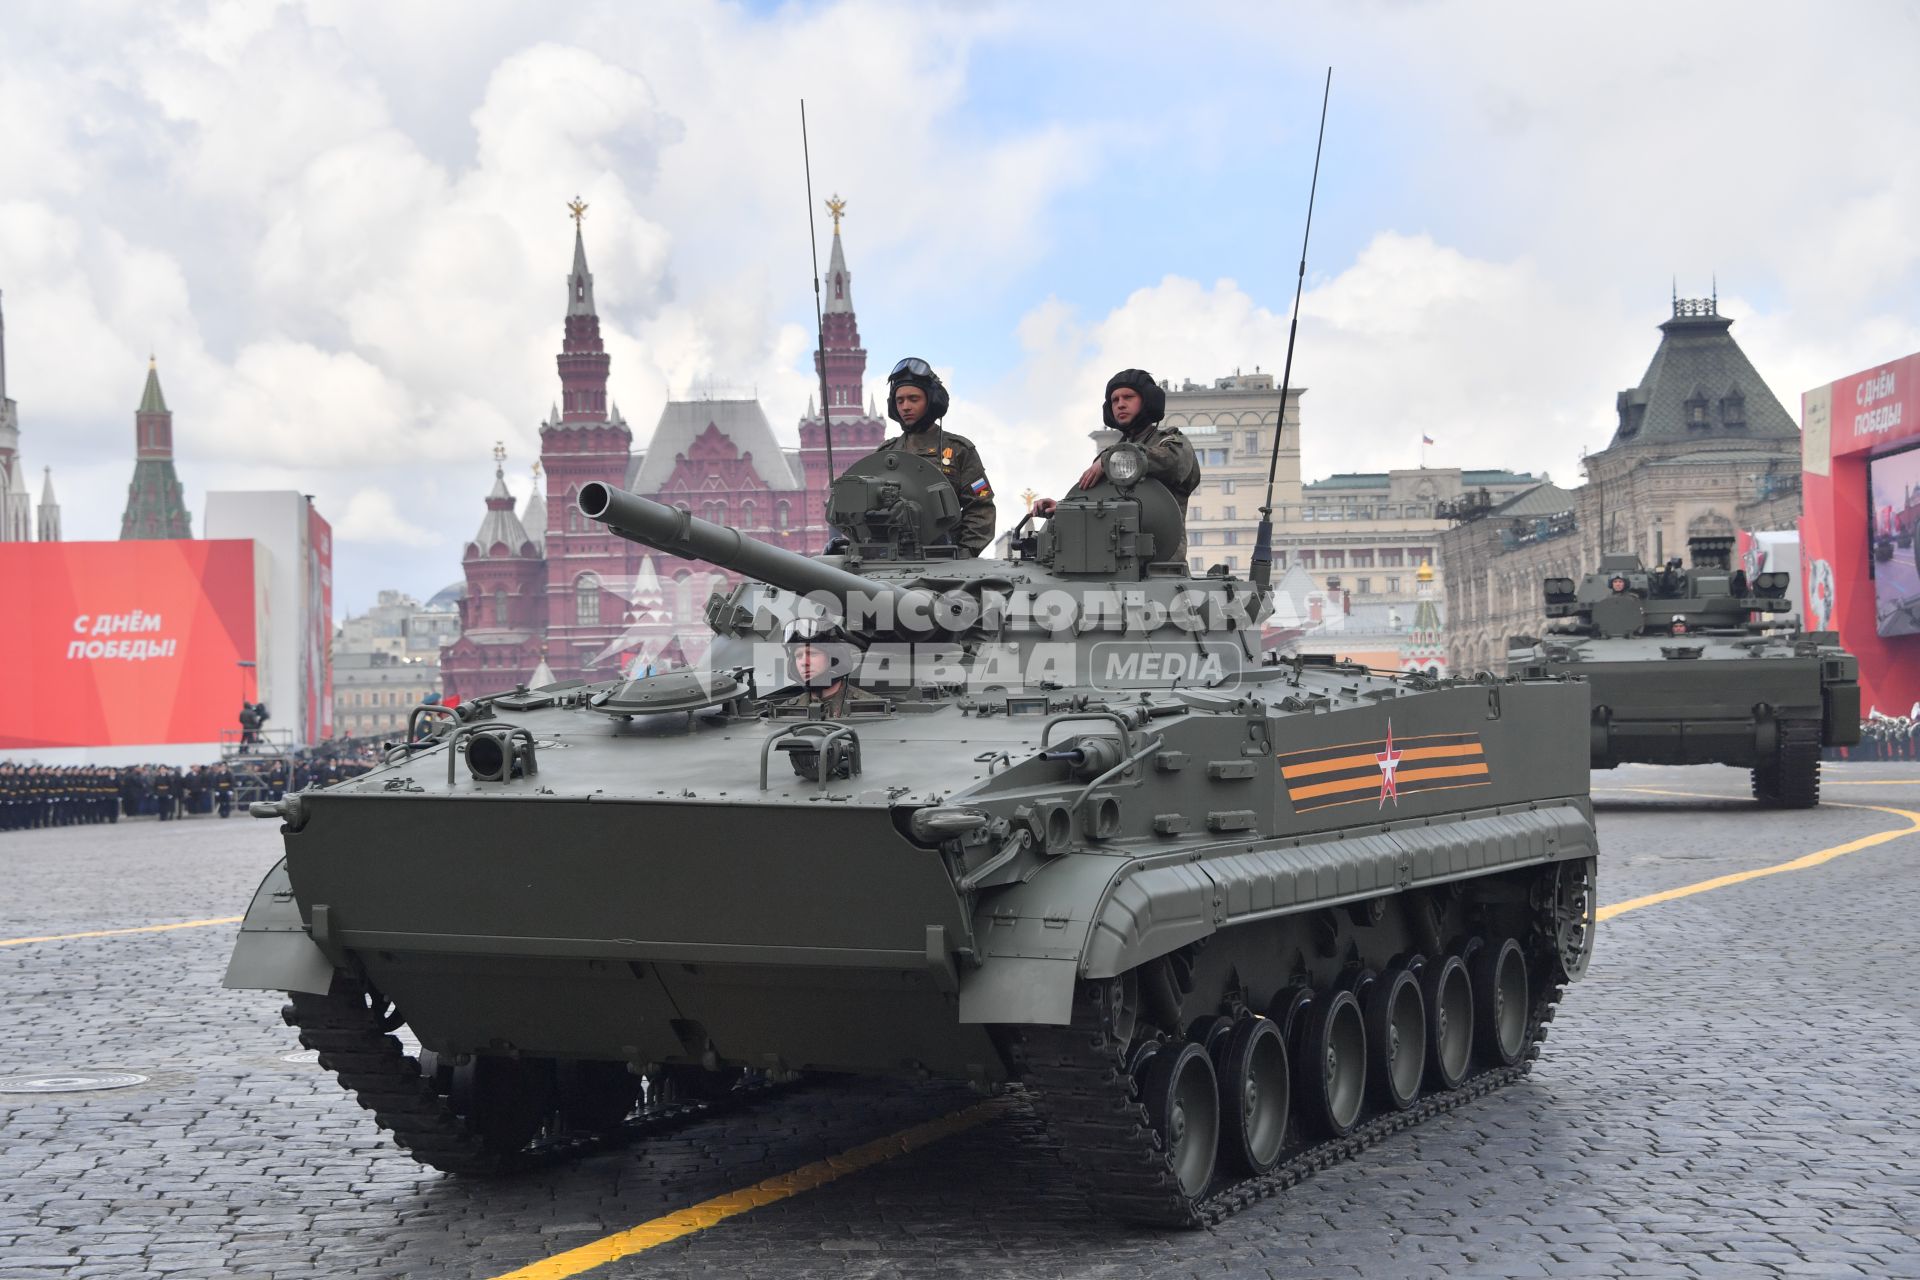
x=372, y=516
x=340, y=226
x=1414, y=338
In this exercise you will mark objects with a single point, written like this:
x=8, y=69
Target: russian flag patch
x=979, y=487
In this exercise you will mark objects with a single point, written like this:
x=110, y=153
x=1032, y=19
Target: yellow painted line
x=685, y=1222
x=708, y=1213
x=1741, y=877
x=114, y=933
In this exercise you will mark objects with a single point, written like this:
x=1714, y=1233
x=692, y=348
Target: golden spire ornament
x=499, y=452
x=577, y=208
x=837, y=207
x=1029, y=497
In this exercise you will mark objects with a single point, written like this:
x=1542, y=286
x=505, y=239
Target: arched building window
x=782, y=513
x=586, y=599
x=746, y=513
x=499, y=606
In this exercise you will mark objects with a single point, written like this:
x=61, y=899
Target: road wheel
x=1396, y=1038
x=1183, y=1104
x=1334, y=1064
x=1500, y=1002
x=1449, y=998
x=1255, y=1086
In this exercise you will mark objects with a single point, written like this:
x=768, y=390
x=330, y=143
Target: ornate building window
x=746, y=513
x=1733, y=409
x=1696, y=410
x=714, y=511
x=782, y=514
x=586, y=599
x=499, y=606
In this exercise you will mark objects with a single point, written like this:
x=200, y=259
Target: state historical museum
x=556, y=588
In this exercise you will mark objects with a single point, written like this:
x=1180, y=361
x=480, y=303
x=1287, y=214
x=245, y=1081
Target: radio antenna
x=1261, y=571
x=819, y=321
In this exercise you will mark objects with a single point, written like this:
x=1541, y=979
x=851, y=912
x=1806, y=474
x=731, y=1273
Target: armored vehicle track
x=1055, y=821
x=528, y=1116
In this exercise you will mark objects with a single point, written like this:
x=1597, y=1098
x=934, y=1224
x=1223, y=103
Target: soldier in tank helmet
x=1133, y=406
x=822, y=659
x=917, y=400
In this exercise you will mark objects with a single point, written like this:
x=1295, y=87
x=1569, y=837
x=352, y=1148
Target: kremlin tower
x=156, y=507
x=856, y=432
x=558, y=595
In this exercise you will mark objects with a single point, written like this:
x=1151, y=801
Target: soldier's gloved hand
x=838, y=543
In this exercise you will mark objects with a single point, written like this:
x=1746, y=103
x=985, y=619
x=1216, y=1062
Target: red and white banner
x=124, y=643
x=1844, y=425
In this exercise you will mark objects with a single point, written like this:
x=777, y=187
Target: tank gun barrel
x=676, y=532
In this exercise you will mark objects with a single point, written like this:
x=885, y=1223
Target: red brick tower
x=503, y=613
x=588, y=569
x=856, y=431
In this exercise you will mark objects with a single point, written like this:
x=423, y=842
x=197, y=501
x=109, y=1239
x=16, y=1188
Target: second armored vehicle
x=1685, y=668
x=1228, y=919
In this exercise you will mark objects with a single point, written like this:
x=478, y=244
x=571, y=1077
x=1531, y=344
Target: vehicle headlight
x=1126, y=465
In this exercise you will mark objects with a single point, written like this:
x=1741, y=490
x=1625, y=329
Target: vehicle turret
x=1087, y=584
x=1623, y=599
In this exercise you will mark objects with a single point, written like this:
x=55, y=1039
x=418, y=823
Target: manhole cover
x=69, y=1082
x=303, y=1055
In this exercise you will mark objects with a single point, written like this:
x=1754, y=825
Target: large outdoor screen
x=123, y=643
x=1893, y=495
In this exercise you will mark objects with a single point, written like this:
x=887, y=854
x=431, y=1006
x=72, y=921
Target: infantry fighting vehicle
x=1686, y=666
x=1227, y=918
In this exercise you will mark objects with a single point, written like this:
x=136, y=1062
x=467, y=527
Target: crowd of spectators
x=34, y=795
x=1883, y=738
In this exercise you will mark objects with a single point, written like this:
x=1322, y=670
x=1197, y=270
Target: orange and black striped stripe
x=1349, y=772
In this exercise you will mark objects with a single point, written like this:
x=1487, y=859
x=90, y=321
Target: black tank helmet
x=1153, y=400
x=915, y=372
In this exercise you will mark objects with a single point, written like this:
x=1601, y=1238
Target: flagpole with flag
x=1425, y=440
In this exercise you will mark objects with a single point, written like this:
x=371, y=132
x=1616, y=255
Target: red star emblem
x=1389, y=761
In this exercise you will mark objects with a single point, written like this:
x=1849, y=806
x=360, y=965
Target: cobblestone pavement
x=1731, y=1091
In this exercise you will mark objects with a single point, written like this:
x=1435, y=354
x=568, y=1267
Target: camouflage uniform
x=960, y=462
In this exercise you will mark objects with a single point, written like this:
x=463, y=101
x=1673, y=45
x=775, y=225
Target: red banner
x=317, y=670
x=1845, y=425
x=124, y=643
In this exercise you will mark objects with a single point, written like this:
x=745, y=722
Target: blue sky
x=341, y=225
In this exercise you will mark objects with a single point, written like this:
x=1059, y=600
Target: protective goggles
x=911, y=367
x=813, y=630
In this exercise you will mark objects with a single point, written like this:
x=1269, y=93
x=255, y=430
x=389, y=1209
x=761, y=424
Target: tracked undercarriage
x=1226, y=917
x=487, y=1116
x=1177, y=1120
